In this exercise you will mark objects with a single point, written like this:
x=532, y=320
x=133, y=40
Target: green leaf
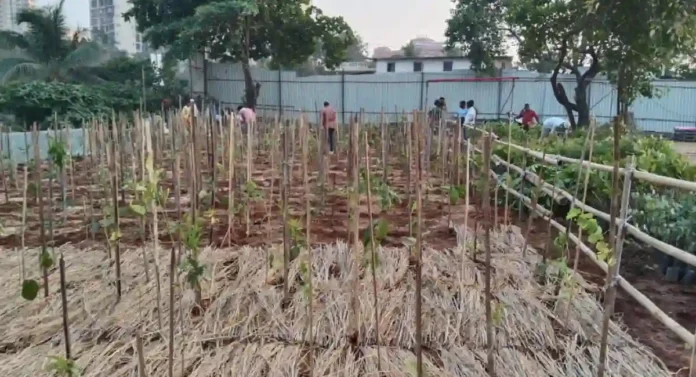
x=573, y=213
x=45, y=259
x=596, y=237
x=30, y=289
x=137, y=209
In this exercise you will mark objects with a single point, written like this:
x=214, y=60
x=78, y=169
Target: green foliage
x=30, y=289
x=243, y=30
x=58, y=152
x=595, y=234
x=44, y=52
x=297, y=238
x=63, y=367
x=671, y=218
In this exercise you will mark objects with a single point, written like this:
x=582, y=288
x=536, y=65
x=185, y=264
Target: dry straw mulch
x=245, y=331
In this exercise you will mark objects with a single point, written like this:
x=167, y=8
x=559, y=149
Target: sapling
x=373, y=250
x=45, y=259
x=63, y=367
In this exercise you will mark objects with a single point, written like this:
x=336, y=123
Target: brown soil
x=329, y=223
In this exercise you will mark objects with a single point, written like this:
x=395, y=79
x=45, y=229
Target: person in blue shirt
x=461, y=115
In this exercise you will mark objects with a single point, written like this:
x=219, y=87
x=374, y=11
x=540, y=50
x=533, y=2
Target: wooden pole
x=354, y=218
x=172, y=272
x=114, y=201
x=286, y=228
x=373, y=251
x=64, y=300
x=419, y=242
x=39, y=199
x=142, y=368
x=486, y=199
x=614, y=267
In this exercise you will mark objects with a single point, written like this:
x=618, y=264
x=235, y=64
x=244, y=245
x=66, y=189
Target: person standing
x=471, y=113
x=328, y=122
x=461, y=117
x=528, y=117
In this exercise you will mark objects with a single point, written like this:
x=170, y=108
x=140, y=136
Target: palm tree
x=45, y=51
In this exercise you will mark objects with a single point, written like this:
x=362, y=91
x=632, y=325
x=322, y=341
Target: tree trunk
x=249, y=88
x=583, y=108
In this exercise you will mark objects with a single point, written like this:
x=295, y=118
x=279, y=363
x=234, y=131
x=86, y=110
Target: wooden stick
x=373, y=249
x=354, y=218
x=417, y=131
x=142, y=368
x=304, y=129
x=230, y=187
x=149, y=165
x=614, y=267
x=486, y=199
x=39, y=199
x=286, y=228
x=172, y=272
x=64, y=300
x=114, y=200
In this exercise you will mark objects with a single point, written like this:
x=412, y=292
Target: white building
x=107, y=24
x=432, y=64
x=8, y=14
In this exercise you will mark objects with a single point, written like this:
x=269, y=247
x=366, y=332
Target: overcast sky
x=390, y=23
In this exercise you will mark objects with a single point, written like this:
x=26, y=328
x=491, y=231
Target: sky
x=390, y=23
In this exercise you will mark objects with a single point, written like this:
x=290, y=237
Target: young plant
x=191, y=265
x=63, y=367
x=595, y=234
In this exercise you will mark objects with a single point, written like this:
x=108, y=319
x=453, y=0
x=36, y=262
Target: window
x=391, y=67
x=94, y=3
x=447, y=66
x=417, y=66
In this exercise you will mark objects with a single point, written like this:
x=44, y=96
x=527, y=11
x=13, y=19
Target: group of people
x=528, y=118
x=244, y=116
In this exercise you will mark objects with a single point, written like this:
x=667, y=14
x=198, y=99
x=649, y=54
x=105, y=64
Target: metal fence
x=285, y=92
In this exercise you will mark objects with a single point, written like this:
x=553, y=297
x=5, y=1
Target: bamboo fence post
x=532, y=213
x=373, y=259
x=2, y=173
x=354, y=218
x=508, y=178
x=248, y=171
x=230, y=180
x=588, y=141
x=286, y=228
x=155, y=233
x=614, y=267
x=213, y=190
x=114, y=200
x=457, y=154
x=486, y=199
x=692, y=365
x=409, y=156
x=39, y=199
x=24, y=205
x=304, y=132
x=385, y=163
x=172, y=272
x=419, y=243
x=64, y=301
x=467, y=189
x=142, y=368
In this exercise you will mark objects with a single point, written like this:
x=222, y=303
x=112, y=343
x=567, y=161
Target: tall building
x=108, y=25
x=8, y=14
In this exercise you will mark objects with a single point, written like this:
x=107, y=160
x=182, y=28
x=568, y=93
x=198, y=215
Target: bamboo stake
x=487, y=242
x=385, y=163
x=304, y=129
x=248, y=171
x=2, y=173
x=155, y=233
x=354, y=218
x=213, y=190
x=614, y=265
x=409, y=157
x=373, y=250
x=230, y=192
x=692, y=365
x=114, y=200
x=419, y=243
x=286, y=228
x=142, y=367
x=467, y=188
x=508, y=178
x=172, y=272
x=39, y=199
x=24, y=205
x=64, y=301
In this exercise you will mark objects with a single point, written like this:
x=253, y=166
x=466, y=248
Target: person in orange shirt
x=328, y=121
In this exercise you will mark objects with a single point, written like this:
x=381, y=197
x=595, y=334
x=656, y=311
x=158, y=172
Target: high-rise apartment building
x=108, y=25
x=8, y=14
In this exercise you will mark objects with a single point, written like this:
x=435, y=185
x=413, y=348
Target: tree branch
x=558, y=90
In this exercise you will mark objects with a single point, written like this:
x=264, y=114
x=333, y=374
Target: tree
x=357, y=52
x=243, y=30
x=474, y=29
x=44, y=52
x=629, y=41
x=409, y=50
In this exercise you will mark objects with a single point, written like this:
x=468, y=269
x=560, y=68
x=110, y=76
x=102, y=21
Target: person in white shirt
x=470, y=119
x=550, y=125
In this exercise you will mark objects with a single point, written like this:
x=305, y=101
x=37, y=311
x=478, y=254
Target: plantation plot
x=247, y=331
x=210, y=250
